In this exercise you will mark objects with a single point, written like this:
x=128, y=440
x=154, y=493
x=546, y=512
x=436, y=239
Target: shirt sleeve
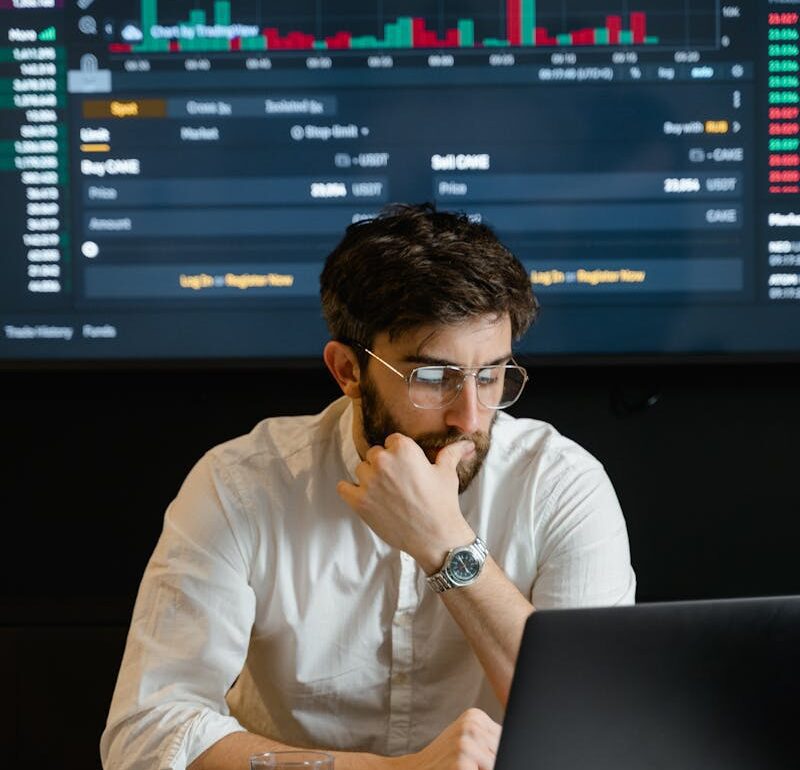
x=581, y=541
x=189, y=632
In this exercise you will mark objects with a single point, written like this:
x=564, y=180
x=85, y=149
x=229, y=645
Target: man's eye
x=487, y=377
x=430, y=376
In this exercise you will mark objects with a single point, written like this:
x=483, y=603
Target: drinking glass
x=292, y=760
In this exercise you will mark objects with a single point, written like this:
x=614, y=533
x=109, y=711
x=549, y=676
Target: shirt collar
x=350, y=454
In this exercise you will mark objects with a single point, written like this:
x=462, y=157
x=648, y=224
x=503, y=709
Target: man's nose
x=464, y=412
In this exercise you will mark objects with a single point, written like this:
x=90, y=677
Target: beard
x=378, y=424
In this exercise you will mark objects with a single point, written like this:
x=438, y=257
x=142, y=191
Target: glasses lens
x=500, y=386
x=431, y=387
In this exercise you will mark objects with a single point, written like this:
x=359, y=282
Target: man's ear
x=343, y=365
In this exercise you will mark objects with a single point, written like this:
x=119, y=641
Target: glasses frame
x=464, y=371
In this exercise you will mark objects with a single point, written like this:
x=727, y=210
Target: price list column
x=783, y=106
x=34, y=240
x=784, y=103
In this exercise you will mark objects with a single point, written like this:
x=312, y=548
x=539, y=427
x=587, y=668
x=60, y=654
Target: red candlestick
x=514, y=22
x=638, y=27
x=614, y=26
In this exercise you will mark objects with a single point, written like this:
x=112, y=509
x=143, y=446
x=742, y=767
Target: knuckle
x=464, y=743
x=398, y=439
x=380, y=460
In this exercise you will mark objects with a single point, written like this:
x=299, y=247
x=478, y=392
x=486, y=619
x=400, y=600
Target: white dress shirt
x=268, y=605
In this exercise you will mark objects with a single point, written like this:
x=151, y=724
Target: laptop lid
x=700, y=685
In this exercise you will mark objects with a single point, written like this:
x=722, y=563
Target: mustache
x=440, y=440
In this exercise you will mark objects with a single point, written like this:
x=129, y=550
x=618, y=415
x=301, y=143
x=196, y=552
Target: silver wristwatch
x=461, y=567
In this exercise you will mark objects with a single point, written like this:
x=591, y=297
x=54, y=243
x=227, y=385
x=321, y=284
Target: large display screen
x=173, y=174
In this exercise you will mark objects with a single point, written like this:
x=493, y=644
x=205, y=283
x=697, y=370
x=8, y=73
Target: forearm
x=412, y=504
x=492, y=614
x=234, y=750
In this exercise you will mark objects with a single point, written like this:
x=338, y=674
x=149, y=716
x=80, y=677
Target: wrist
x=433, y=557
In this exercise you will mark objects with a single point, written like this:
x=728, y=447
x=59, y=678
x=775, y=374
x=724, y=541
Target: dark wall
x=706, y=474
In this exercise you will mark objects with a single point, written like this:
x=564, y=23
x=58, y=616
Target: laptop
x=697, y=685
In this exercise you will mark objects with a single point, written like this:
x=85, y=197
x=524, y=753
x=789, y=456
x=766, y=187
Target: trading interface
x=174, y=174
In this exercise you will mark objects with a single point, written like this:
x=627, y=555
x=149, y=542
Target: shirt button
x=400, y=679
x=403, y=619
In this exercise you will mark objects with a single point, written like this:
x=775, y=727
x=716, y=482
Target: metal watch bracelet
x=439, y=582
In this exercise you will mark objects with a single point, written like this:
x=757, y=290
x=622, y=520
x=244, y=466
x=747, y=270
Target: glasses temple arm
x=387, y=365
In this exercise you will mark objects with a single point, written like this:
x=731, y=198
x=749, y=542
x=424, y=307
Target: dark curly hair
x=413, y=265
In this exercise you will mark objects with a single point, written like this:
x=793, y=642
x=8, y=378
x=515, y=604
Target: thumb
x=451, y=455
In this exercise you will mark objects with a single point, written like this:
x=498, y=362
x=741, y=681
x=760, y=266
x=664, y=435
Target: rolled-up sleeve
x=582, y=544
x=189, y=632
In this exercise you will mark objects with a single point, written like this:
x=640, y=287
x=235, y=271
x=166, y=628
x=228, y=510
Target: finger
x=489, y=729
x=486, y=758
x=486, y=720
x=364, y=471
x=404, y=446
x=493, y=732
x=486, y=753
x=494, y=739
x=373, y=453
x=350, y=493
x=395, y=441
x=451, y=455
x=479, y=751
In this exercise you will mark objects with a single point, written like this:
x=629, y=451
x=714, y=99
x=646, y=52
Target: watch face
x=463, y=567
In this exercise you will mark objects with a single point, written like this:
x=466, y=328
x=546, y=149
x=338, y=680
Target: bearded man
x=358, y=580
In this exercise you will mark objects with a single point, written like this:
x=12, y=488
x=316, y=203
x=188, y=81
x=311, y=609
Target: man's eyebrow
x=418, y=358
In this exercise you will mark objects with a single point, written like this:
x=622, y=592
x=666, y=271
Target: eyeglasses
x=435, y=387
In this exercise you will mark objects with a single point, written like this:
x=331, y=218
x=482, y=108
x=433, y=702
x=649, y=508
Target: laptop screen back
x=706, y=685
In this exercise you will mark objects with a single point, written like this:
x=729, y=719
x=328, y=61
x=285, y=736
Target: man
x=381, y=623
